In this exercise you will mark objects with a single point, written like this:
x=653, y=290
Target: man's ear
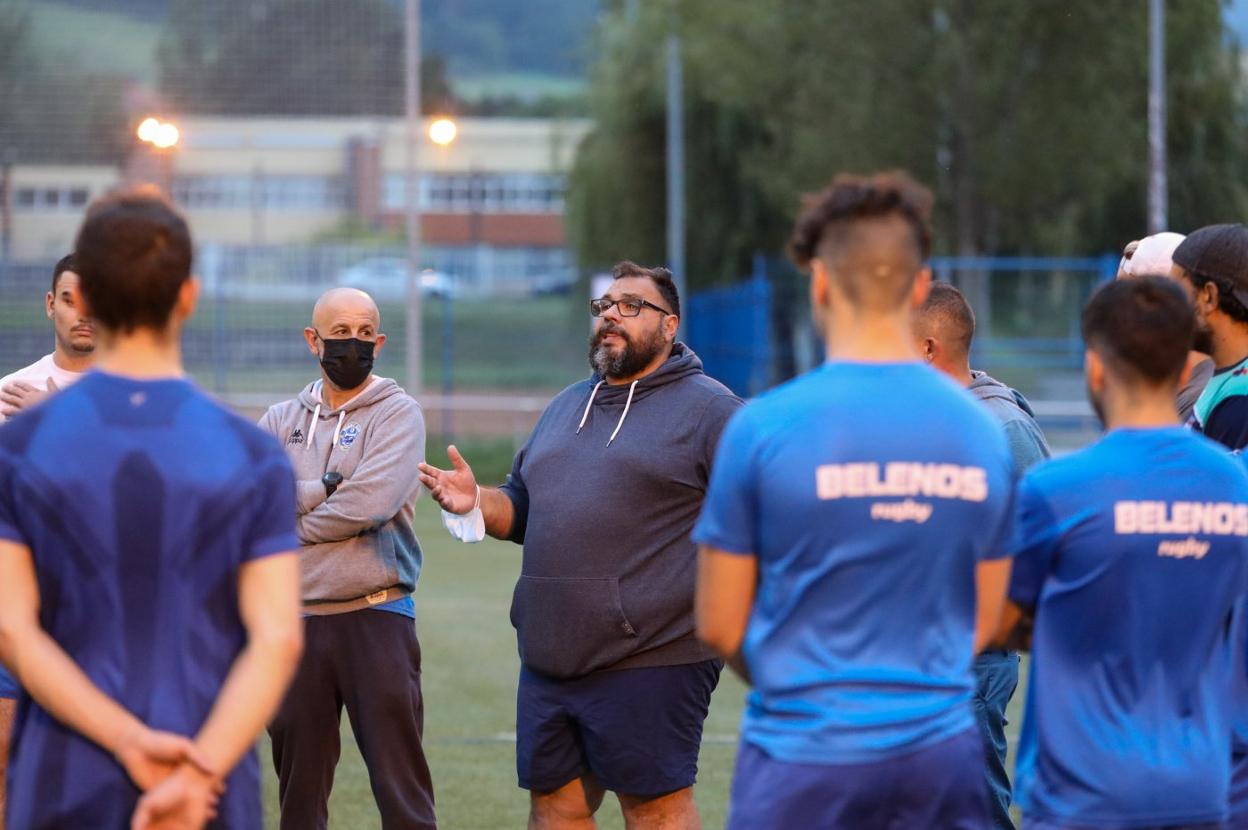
x=922, y=285
x=820, y=284
x=1207, y=298
x=47, y=302
x=378, y=343
x=1094, y=370
x=188, y=298
x=929, y=348
x=671, y=325
x=309, y=335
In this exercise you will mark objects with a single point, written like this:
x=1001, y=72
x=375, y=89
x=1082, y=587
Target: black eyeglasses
x=628, y=307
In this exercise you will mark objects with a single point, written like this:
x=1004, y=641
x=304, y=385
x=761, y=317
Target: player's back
x=1133, y=553
x=878, y=490
x=140, y=501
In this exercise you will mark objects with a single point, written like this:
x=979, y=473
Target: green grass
x=469, y=674
x=526, y=85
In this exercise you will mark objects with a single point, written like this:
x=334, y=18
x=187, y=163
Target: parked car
x=385, y=278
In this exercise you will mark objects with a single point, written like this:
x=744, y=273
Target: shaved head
x=350, y=303
x=871, y=233
x=946, y=316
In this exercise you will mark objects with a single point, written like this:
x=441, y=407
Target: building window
x=480, y=192
x=51, y=199
x=260, y=192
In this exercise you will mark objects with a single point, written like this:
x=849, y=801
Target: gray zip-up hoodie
x=1027, y=443
x=606, y=492
x=359, y=548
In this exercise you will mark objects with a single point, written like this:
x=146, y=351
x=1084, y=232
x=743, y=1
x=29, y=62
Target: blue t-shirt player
x=1128, y=560
x=851, y=515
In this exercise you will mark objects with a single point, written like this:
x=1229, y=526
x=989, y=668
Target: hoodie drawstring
x=587, y=406
x=632, y=388
x=337, y=430
x=316, y=416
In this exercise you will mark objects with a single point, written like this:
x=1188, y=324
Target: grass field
x=470, y=668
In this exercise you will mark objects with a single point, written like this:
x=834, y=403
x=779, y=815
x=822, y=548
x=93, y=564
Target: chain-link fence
x=278, y=127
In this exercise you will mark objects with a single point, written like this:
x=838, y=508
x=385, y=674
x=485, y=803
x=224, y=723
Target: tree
x=1028, y=120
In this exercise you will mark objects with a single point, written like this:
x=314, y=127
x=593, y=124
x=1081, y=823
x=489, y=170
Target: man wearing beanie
x=1213, y=263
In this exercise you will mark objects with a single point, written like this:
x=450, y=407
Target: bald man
x=355, y=440
x=944, y=327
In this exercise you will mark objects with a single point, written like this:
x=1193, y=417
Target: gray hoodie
x=1027, y=443
x=359, y=548
x=606, y=492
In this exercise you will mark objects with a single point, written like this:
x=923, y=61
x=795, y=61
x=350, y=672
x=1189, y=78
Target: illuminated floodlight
x=443, y=131
x=166, y=136
x=148, y=130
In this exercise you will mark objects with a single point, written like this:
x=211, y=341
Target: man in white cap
x=1154, y=256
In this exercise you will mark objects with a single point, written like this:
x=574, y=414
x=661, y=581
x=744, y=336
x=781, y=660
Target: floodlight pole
x=676, y=169
x=1157, y=186
x=411, y=197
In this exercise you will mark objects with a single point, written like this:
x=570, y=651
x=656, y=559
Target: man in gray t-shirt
x=944, y=327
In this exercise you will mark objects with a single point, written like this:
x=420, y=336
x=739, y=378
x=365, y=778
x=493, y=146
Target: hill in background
x=493, y=50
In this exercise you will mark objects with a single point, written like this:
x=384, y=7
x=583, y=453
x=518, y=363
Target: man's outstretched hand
x=455, y=490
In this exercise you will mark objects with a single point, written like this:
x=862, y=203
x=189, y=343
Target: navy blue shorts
x=637, y=731
x=938, y=786
x=8, y=686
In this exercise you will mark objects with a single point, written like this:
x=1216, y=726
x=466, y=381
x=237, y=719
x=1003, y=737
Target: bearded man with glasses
x=614, y=685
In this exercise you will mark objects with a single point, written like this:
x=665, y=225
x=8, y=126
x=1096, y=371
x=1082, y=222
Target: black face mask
x=347, y=362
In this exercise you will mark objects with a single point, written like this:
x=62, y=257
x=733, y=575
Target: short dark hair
x=133, y=254
x=947, y=306
x=853, y=197
x=1228, y=303
x=1142, y=328
x=661, y=277
x=65, y=263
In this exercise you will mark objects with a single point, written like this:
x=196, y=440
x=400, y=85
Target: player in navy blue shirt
x=855, y=519
x=149, y=601
x=1129, y=558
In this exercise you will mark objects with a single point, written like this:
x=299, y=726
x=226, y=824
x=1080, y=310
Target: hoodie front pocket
x=570, y=627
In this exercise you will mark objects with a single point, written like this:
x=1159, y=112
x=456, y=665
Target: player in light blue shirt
x=854, y=522
x=1129, y=557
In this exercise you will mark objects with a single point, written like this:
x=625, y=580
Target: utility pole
x=1158, y=220
x=411, y=200
x=676, y=168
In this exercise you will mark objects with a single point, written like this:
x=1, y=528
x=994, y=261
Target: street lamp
x=443, y=131
x=159, y=134
x=162, y=136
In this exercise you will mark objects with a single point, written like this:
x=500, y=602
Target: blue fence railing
x=752, y=335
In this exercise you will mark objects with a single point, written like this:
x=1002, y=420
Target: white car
x=385, y=278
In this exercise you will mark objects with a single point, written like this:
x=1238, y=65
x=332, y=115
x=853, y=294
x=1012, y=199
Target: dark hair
x=133, y=254
x=1228, y=303
x=851, y=198
x=661, y=277
x=947, y=304
x=65, y=263
x=1141, y=327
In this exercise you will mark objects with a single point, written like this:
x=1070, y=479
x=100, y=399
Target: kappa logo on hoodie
x=296, y=437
